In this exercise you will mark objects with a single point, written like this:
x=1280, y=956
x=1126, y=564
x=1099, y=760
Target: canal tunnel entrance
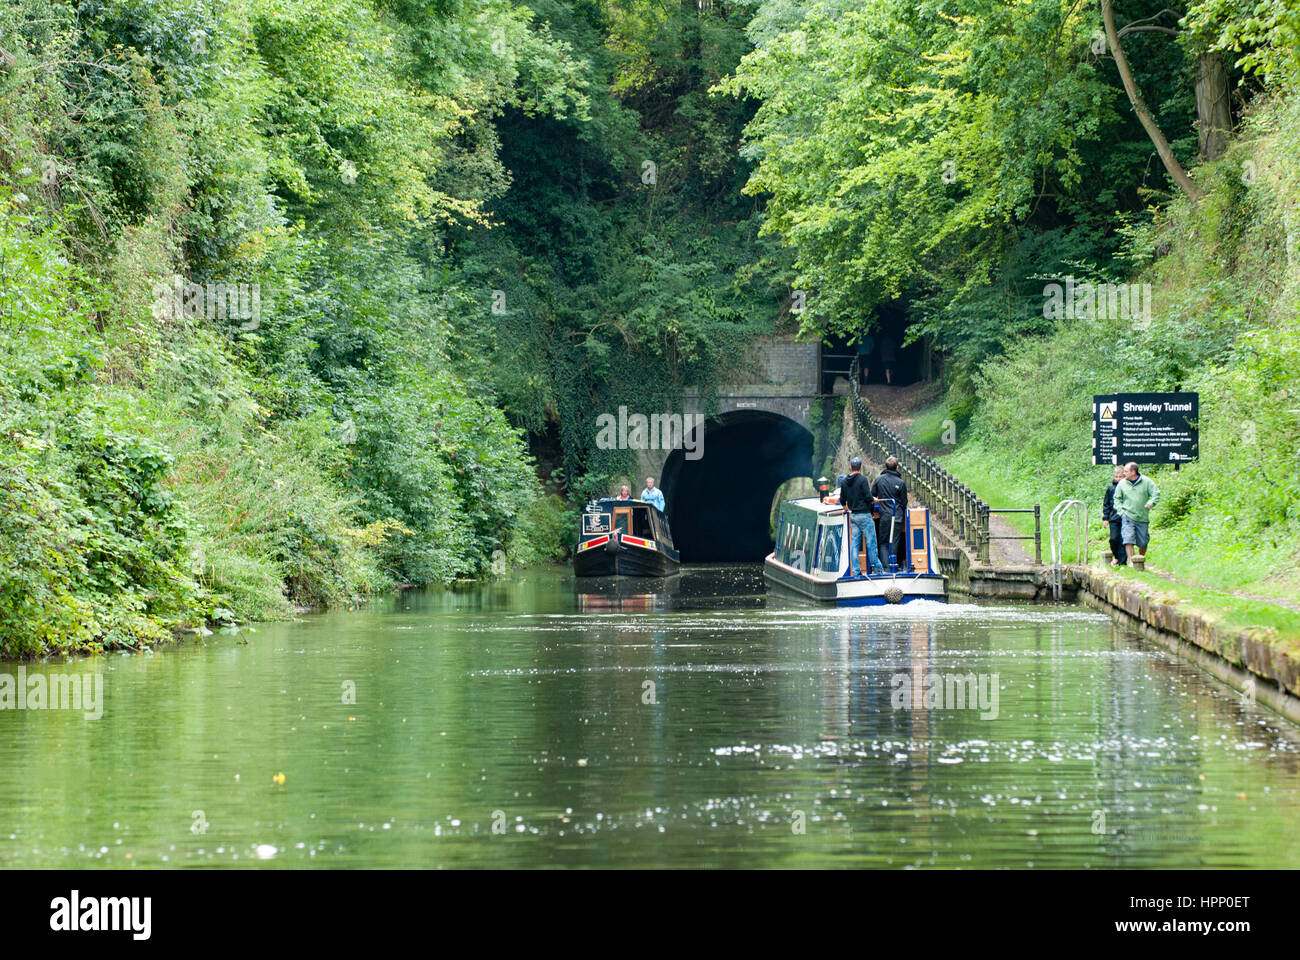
x=720, y=505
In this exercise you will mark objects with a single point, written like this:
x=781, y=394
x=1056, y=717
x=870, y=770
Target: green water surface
x=690, y=722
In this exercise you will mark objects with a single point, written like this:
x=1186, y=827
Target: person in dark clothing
x=890, y=485
x=855, y=496
x=887, y=357
x=1110, y=518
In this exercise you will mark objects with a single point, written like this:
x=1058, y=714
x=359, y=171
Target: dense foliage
x=627, y=266
x=173, y=456
x=292, y=292
x=953, y=155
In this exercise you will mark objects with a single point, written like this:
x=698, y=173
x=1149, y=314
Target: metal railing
x=840, y=363
x=952, y=502
x=1036, y=536
x=1079, y=511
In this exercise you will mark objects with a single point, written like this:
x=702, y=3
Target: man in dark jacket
x=891, y=486
x=855, y=497
x=1110, y=518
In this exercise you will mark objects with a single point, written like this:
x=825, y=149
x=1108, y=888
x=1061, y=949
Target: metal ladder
x=1079, y=509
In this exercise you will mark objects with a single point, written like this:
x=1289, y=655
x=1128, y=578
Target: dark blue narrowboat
x=624, y=538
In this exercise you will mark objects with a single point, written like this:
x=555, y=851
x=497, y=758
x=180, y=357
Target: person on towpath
x=1114, y=522
x=867, y=345
x=887, y=358
x=1135, y=497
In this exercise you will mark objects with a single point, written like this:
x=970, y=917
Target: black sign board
x=594, y=523
x=1145, y=427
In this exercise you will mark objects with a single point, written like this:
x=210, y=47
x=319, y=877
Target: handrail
x=1037, y=535
x=1079, y=509
x=952, y=502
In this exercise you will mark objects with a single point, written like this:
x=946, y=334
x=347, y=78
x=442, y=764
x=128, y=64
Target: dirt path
x=897, y=406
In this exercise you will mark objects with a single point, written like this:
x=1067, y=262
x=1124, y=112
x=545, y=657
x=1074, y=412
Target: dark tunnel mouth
x=720, y=505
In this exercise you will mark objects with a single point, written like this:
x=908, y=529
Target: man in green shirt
x=1134, y=497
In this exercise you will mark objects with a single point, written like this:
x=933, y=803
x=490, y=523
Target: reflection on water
x=596, y=594
x=686, y=721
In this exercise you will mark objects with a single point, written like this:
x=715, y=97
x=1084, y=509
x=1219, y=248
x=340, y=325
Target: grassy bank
x=1226, y=323
x=1279, y=625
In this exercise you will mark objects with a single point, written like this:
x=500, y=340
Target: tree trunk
x=1213, y=113
x=1167, y=157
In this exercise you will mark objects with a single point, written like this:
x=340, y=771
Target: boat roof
x=629, y=500
x=815, y=504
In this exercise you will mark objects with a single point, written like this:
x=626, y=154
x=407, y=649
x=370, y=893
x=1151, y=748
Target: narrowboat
x=624, y=538
x=811, y=558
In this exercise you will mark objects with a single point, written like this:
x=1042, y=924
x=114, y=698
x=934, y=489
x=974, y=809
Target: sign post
x=1145, y=428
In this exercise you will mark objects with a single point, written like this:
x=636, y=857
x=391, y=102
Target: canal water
x=690, y=722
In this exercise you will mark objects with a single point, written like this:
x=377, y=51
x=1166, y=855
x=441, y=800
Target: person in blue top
x=867, y=345
x=652, y=494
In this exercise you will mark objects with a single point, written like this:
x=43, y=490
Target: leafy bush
x=164, y=468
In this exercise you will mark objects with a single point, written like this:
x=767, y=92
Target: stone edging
x=1239, y=658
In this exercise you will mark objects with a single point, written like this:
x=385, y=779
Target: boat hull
x=857, y=592
x=626, y=560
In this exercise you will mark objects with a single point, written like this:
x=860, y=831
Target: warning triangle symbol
x=1107, y=413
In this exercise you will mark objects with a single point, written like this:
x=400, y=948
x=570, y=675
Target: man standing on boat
x=652, y=494
x=1134, y=497
x=855, y=495
x=890, y=485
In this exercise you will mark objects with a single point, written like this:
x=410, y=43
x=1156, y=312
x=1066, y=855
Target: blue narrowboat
x=811, y=558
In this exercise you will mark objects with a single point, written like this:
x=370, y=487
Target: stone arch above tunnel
x=720, y=505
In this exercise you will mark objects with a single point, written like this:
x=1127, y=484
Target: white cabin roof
x=815, y=504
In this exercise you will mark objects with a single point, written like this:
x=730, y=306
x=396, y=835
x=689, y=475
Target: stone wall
x=1244, y=659
x=780, y=369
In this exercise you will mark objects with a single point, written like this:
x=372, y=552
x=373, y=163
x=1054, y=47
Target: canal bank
x=1254, y=660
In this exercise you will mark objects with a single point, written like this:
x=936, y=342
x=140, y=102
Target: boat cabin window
x=832, y=537
x=633, y=520
x=622, y=519
x=641, y=523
